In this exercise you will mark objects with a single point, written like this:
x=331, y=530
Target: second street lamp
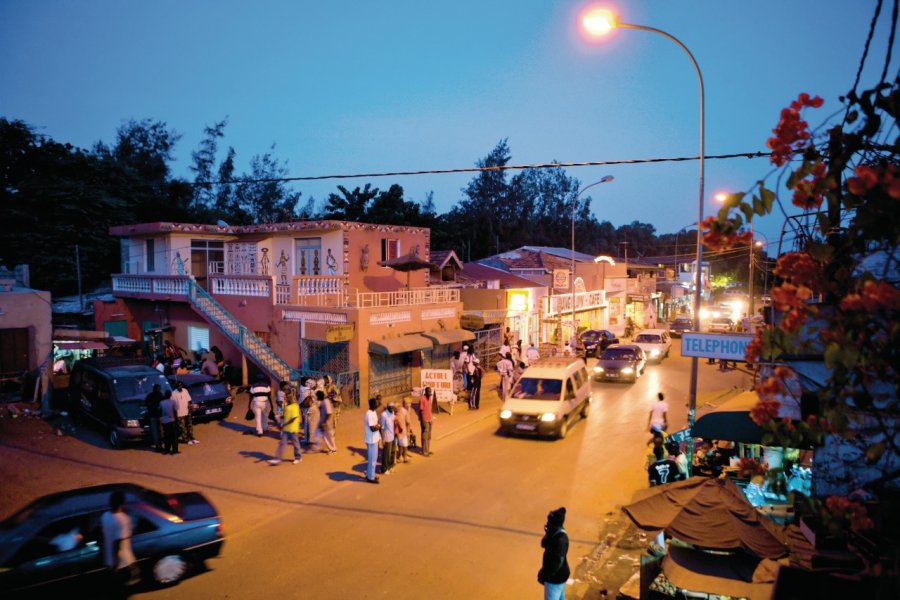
x=599, y=22
x=605, y=179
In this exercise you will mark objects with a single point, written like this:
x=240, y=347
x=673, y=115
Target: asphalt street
x=464, y=523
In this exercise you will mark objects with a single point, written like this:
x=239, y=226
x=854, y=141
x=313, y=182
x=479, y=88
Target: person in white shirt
x=657, y=421
x=118, y=557
x=182, y=400
x=567, y=351
x=373, y=436
x=532, y=354
x=505, y=367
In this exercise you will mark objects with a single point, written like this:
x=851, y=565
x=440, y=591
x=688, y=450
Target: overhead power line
x=633, y=161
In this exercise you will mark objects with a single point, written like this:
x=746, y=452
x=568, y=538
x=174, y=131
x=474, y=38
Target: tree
x=389, y=207
x=836, y=295
x=349, y=206
x=262, y=194
x=203, y=161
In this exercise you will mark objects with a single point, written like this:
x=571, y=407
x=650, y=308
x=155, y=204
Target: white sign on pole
x=726, y=346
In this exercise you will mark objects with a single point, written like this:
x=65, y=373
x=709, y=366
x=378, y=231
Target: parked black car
x=621, y=362
x=210, y=398
x=595, y=341
x=57, y=539
x=109, y=392
x=681, y=325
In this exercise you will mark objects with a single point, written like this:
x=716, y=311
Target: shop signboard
x=724, y=346
x=440, y=381
x=339, y=333
x=560, y=279
x=471, y=322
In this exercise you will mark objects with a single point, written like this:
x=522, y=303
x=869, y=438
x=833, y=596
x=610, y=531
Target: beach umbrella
x=708, y=513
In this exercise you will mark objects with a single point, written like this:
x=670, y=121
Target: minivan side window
x=570, y=389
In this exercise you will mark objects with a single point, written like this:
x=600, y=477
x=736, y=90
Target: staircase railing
x=243, y=338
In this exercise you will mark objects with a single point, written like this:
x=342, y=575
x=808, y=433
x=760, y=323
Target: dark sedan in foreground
x=621, y=362
x=595, y=341
x=58, y=538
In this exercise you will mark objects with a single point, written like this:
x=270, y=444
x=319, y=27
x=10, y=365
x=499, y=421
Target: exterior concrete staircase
x=255, y=349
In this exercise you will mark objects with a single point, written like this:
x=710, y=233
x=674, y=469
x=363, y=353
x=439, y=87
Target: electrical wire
x=633, y=161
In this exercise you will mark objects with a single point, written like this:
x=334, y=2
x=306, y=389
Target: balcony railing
x=306, y=290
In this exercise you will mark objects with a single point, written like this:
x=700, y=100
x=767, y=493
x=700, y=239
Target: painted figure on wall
x=364, y=259
x=179, y=264
x=316, y=262
x=282, y=262
x=264, y=262
x=331, y=262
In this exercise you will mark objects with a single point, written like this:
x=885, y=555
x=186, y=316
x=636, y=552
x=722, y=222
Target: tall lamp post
x=605, y=179
x=598, y=22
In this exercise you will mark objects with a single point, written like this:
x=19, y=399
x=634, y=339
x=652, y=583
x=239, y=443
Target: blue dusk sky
x=344, y=87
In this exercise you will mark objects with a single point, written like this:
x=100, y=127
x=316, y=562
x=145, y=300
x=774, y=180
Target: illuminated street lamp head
x=599, y=21
x=721, y=196
x=607, y=178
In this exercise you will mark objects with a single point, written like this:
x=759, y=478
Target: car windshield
x=722, y=321
x=207, y=389
x=646, y=338
x=538, y=388
x=617, y=354
x=590, y=336
x=683, y=322
x=135, y=389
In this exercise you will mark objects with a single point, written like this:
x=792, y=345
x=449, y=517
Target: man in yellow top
x=290, y=430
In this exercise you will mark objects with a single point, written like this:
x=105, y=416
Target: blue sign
x=726, y=346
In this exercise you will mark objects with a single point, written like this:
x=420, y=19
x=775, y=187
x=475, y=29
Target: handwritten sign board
x=339, y=333
x=440, y=381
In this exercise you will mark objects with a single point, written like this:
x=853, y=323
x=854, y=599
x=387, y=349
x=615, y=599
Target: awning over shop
x=449, y=336
x=399, y=345
x=80, y=345
x=736, y=575
x=731, y=421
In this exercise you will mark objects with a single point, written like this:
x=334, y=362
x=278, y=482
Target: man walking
x=657, y=419
x=554, y=570
x=505, y=367
x=290, y=430
x=118, y=556
x=373, y=436
x=260, y=402
x=426, y=418
x=532, y=354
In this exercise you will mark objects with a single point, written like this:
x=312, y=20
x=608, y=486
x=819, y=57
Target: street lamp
x=605, y=179
x=598, y=22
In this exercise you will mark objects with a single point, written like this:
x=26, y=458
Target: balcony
x=305, y=291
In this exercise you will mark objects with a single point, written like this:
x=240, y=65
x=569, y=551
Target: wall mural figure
x=331, y=262
x=415, y=251
x=364, y=259
x=282, y=262
x=316, y=262
x=178, y=263
x=264, y=262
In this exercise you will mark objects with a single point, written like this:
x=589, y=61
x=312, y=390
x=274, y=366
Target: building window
x=309, y=256
x=151, y=255
x=390, y=249
x=207, y=257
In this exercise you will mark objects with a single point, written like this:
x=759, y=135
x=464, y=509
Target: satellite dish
x=222, y=223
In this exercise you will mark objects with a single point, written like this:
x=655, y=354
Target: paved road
x=465, y=523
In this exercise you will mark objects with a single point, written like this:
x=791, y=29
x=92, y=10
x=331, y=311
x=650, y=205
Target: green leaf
x=747, y=209
x=832, y=355
x=768, y=199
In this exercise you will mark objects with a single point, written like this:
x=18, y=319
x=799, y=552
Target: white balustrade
x=256, y=287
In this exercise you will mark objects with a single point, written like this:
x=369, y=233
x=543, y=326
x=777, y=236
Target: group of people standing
x=170, y=418
x=392, y=432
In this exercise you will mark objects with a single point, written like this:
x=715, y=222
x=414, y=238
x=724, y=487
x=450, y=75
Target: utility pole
x=750, y=284
x=78, y=276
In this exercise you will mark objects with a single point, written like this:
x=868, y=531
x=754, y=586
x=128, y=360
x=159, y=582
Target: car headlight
x=505, y=414
x=228, y=400
x=598, y=369
x=654, y=352
x=132, y=423
x=628, y=370
x=548, y=417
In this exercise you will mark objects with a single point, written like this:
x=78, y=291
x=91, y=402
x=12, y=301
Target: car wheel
x=585, y=410
x=169, y=569
x=563, y=429
x=114, y=440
